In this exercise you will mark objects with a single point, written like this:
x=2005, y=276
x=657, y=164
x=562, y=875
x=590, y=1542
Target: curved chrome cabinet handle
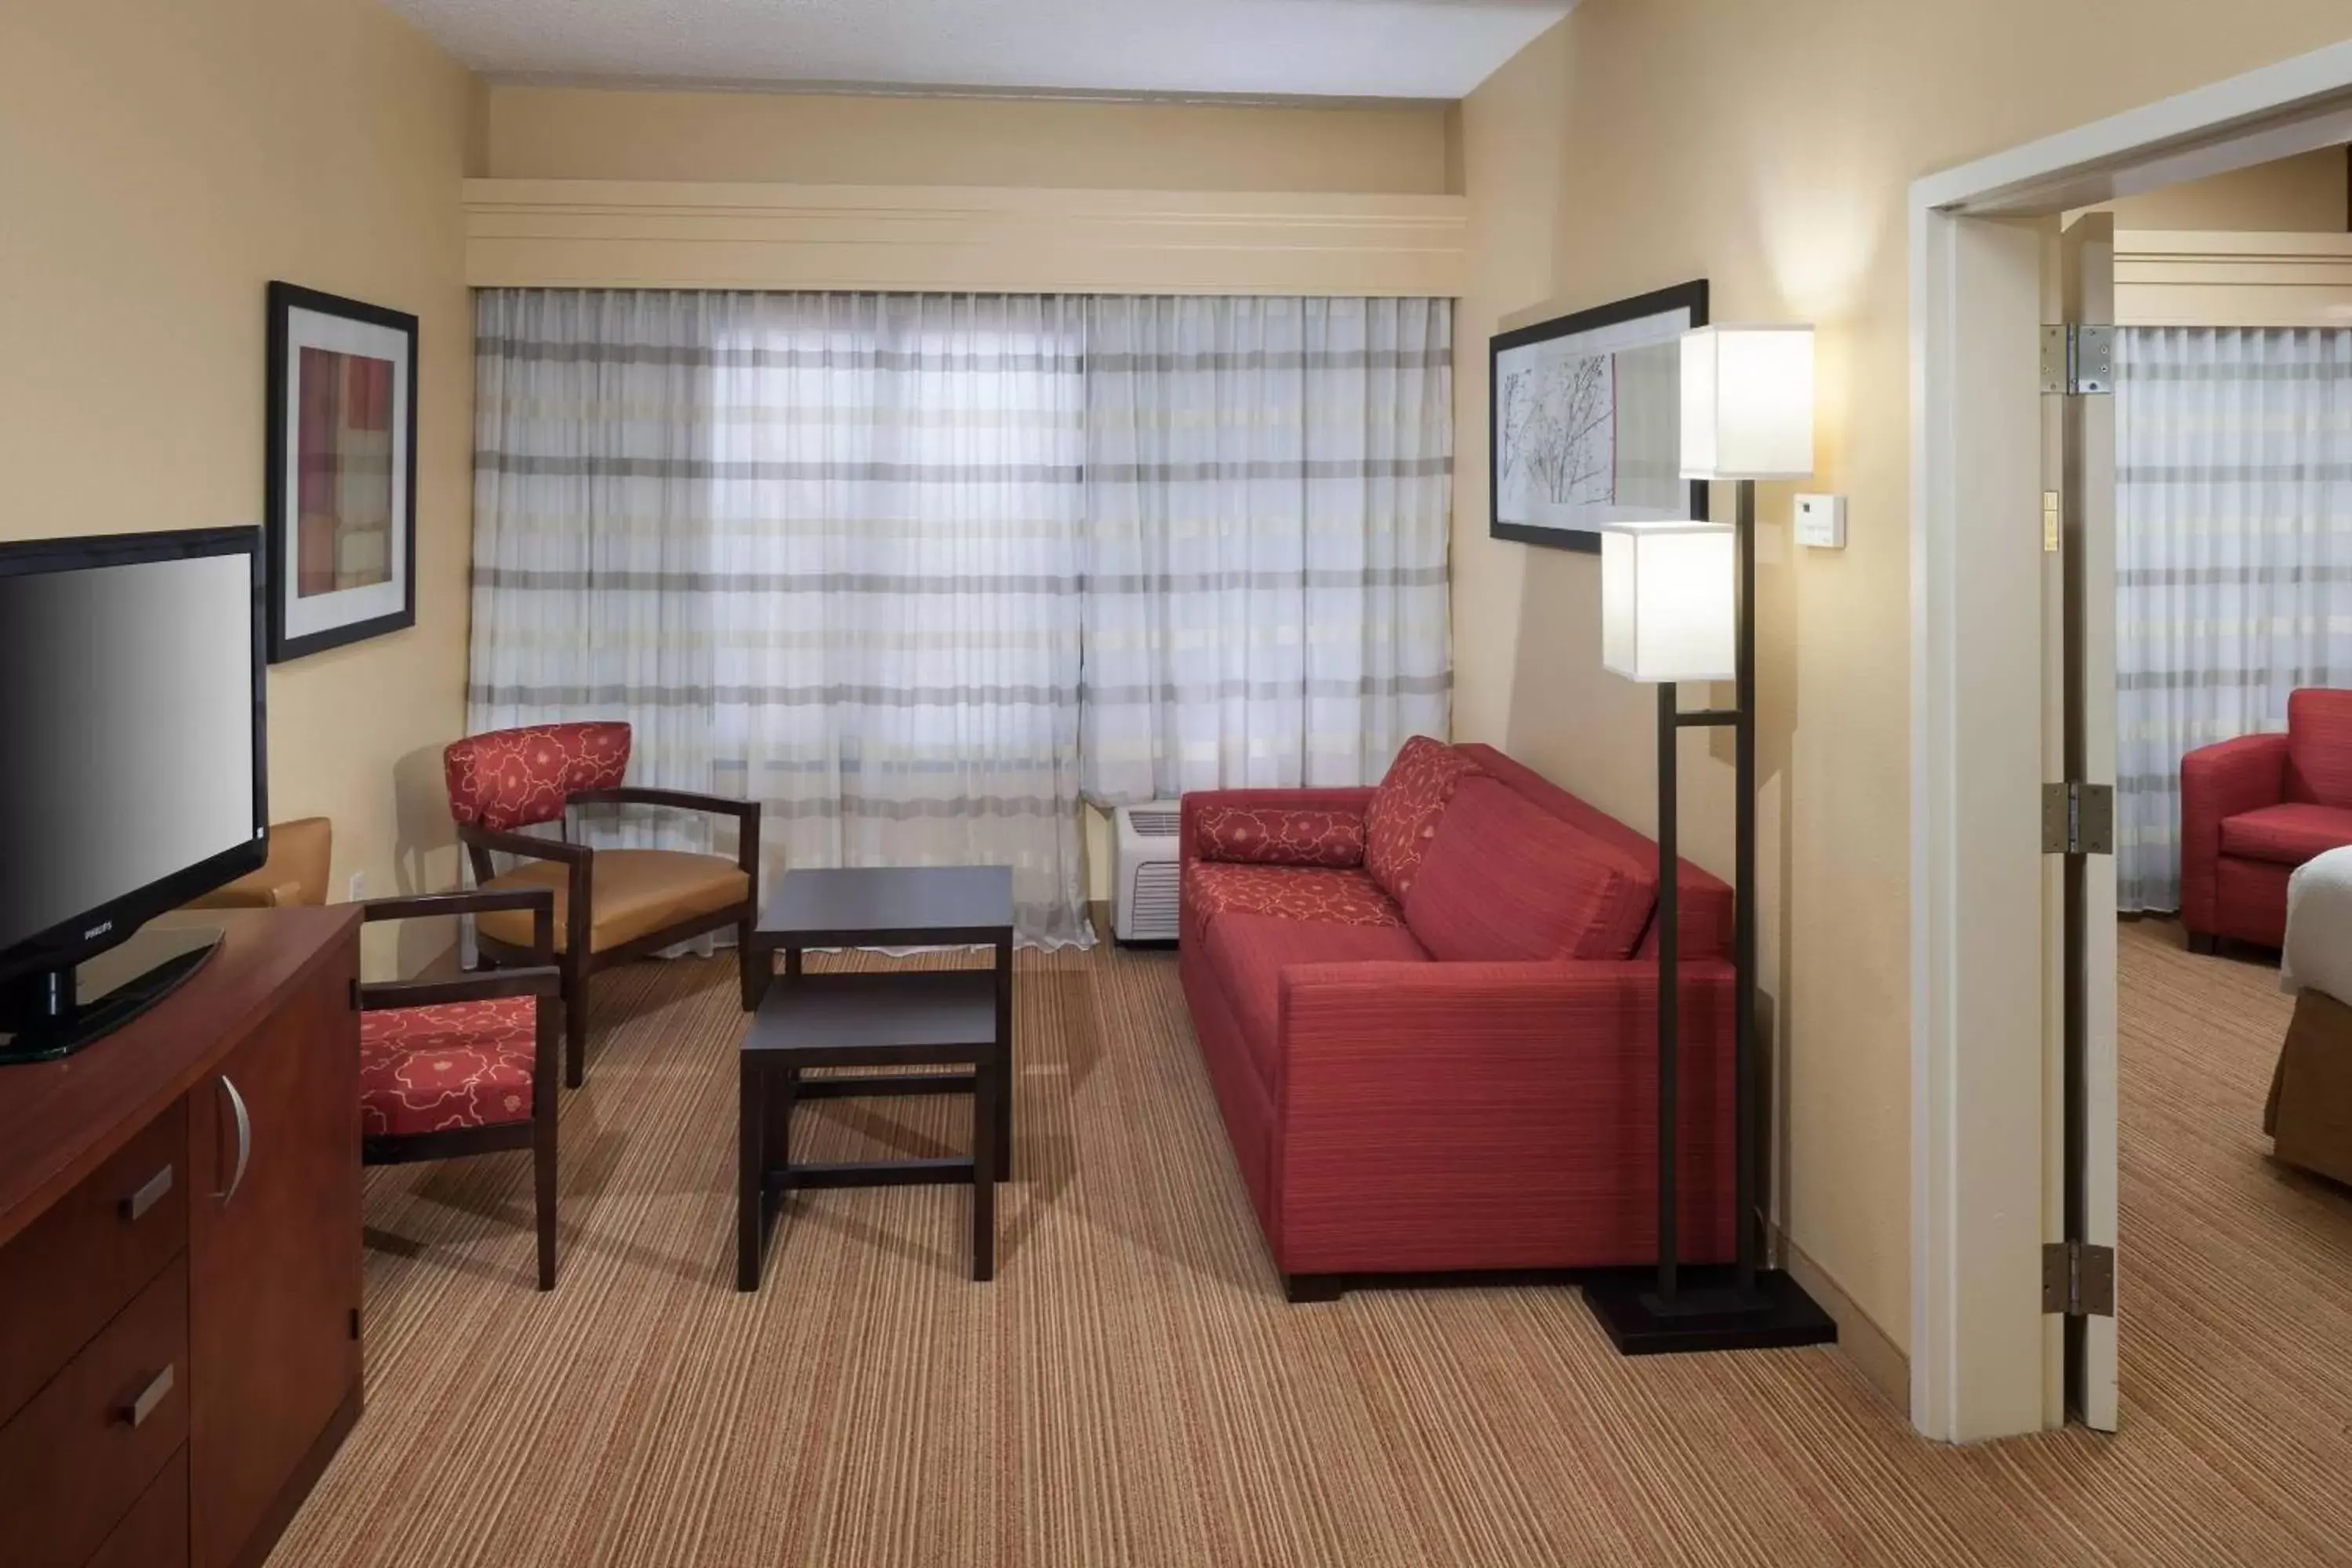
x=244, y=1140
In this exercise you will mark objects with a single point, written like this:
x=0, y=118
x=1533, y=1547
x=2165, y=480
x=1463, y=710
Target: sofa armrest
x=2219, y=782
x=1507, y=1109
x=1276, y=826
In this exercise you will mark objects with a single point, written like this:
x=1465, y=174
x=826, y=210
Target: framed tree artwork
x=341, y=488
x=1586, y=419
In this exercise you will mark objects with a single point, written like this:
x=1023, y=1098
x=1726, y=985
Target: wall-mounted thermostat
x=1821, y=522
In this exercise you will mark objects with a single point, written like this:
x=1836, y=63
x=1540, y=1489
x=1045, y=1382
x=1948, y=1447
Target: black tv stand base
x=53, y=1013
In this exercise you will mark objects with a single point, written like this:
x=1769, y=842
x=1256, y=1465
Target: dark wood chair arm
x=525, y=845
x=745, y=812
x=540, y=980
x=684, y=800
x=471, y=901
x=540, y=901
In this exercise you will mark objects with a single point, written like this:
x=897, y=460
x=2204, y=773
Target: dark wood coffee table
x=928, y=1018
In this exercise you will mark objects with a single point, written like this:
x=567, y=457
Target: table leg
x=988, y=1092
x=791, y=963
x=1006, y=1074
x=750, y=1177
x=783, y=1090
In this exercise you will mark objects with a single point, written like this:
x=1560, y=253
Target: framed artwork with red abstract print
x=341, y=490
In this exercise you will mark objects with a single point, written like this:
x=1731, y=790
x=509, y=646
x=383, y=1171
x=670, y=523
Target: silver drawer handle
x=139, y=1409
x=244, y=1140
x=148, y=1197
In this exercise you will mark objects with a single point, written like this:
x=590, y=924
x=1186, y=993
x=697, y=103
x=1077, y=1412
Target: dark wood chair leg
x=575, y=1025
x=543, y=1170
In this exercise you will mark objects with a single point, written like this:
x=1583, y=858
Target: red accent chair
x=611, y=905
x=1429, y=1012
x=2253, y=809
x=454, y=1067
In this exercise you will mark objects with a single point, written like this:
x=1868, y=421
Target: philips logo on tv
x=100, y=930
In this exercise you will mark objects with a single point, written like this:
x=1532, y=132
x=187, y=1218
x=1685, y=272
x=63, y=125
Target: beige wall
x=1768, y=149
x=2306, y=194
x=590, y=134
x=166, y=161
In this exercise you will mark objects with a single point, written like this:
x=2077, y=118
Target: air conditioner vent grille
x=1148, y=870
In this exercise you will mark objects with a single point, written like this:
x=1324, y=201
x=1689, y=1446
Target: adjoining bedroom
x=2232, y=823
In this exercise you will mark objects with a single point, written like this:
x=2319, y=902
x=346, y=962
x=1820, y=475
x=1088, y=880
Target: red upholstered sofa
x=1430, y=1015
x=2253, y=809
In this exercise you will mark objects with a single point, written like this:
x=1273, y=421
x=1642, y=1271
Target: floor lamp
x=1678, y=604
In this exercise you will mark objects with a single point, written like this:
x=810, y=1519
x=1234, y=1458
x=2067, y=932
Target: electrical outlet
x=359, y=887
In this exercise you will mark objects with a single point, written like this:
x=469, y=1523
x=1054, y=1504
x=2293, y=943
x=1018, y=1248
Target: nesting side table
x=960, y=1020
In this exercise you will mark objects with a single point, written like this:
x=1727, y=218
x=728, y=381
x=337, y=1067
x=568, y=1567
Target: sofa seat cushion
x=1248, y=953
x=2285, y=835
x=1506, y=879
x=1277, y=836
x=631, y=893
x=1403, y=814
x=1320, y=893
x=456, y=1064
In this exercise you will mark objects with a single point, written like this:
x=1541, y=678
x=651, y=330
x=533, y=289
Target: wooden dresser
x=180, y=1262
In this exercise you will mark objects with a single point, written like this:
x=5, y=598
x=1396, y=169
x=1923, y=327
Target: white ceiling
x=1354, y=49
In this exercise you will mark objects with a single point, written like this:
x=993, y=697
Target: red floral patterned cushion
x=457, y=1064
x=1270, y=836
x=1403, y=817
x=512, y=778
x=1329, y=894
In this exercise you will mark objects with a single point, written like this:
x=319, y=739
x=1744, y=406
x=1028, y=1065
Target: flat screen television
x=132, y=771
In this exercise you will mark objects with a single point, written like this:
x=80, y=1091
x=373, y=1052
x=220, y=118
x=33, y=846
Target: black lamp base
x=1709, y=1312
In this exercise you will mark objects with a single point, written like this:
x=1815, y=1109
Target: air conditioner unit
x=1148, y=861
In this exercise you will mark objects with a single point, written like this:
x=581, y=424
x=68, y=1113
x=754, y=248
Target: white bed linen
x=2318, y=951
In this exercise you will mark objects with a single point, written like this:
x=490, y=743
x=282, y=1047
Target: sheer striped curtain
x=905, y=567
x=820, y=549
x=895, y=607
x=2234, y=539
x=1268, y=493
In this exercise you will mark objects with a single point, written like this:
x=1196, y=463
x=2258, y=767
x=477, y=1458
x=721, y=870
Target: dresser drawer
x=66, y=1276
x=154, y=1534
x=75, y=1460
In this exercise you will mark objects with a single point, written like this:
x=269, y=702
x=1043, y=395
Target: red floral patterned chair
x=453, y=1067
x=611, y=905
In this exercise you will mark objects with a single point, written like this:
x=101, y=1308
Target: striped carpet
x=1133, y=1390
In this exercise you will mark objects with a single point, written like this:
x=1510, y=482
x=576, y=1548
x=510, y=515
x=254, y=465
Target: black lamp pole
x=1705, y=1307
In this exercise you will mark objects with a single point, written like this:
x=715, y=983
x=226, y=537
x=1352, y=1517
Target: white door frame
x=1977, y=1368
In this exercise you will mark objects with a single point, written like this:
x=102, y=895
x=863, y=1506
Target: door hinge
x=2078, y=361
x=2078, y=818
x=2050, y=522
x=2078, y=1279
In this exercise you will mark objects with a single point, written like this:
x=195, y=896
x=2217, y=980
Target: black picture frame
x=1691, y=298
x=286, y=640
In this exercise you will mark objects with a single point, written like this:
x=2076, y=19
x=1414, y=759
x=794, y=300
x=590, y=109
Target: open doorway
x=2015, y=1020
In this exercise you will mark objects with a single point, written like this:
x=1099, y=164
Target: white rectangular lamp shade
x=1666, y=601
x=1747, y=403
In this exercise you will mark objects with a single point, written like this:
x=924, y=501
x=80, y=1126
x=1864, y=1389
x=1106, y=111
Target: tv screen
x=130, y=706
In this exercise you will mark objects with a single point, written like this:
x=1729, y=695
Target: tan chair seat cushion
x=635, y=892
